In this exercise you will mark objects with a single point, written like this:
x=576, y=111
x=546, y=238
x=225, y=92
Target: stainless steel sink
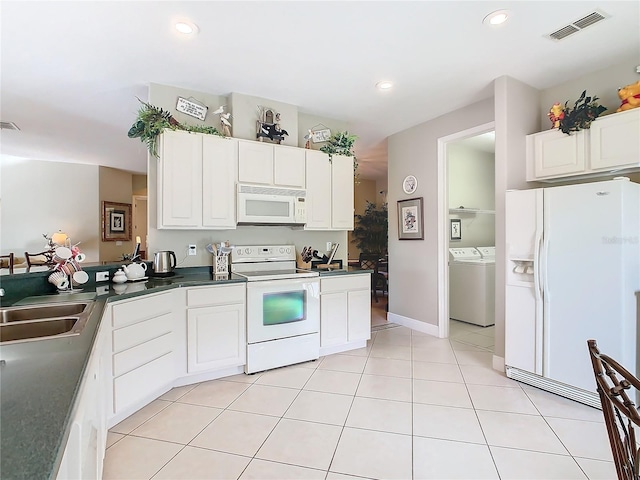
x=19, y=314
x=19, y=324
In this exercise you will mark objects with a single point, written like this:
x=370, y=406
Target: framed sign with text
x=191, y=108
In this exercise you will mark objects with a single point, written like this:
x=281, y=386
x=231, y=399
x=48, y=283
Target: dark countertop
x=40, y=379
x=343, y=271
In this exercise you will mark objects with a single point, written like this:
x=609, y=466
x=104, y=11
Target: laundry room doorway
x=466, y=234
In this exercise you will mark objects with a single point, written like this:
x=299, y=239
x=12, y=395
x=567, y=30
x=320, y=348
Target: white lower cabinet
x=142, y=348
x=84, y=451
x=345, y=312
x=216, y=332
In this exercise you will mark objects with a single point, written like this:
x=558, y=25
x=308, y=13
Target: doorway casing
x=443, y=217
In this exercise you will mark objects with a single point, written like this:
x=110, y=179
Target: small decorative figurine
x=630, y=96
x=556, y=113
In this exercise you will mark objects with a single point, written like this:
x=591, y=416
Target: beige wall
x=139, y=184
x=115, y=186
x=470, y=173
x=44, y=197
x=413, y=264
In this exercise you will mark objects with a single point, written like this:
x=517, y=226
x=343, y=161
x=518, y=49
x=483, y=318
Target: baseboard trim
x=498, y=363
x=413, y=324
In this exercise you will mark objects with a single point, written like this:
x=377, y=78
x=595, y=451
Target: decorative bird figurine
x=219, y=110
x=226, y=124
x=307, y=137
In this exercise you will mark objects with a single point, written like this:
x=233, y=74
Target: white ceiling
x=71, y=71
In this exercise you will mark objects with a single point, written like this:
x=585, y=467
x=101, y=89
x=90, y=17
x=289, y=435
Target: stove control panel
x=262, y=253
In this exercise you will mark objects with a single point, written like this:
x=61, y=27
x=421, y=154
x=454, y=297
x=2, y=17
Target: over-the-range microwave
x=271, y=205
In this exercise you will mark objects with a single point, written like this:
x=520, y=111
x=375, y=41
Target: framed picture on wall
x=456, y=229
x=116, y=221
x=410, y=221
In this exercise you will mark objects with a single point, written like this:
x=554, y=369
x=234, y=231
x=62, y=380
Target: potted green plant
x=152, y=121
x=370, y=233
x=584, y=111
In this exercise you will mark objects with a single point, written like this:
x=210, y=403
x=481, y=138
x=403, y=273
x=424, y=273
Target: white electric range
x=283, y=306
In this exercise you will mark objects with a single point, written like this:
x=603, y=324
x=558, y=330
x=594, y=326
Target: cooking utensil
x=212, y=249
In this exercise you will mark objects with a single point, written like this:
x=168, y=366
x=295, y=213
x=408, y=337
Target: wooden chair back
x=40, y=258
x=7, y=261
x=616, y=387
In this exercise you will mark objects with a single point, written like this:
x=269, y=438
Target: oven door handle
x=282, y=283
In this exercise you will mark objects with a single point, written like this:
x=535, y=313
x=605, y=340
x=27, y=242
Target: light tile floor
x=470, y=334
x=408, y=406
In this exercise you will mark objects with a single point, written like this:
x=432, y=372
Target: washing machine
x=472, y=285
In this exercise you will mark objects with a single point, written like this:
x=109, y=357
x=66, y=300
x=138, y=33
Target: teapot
x=135, y=271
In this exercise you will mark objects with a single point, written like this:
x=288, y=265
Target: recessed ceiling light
x=384, y=85
x=496, y=18
x=186, y=27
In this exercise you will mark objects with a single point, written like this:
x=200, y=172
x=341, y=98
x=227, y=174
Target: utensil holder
x=221, y=264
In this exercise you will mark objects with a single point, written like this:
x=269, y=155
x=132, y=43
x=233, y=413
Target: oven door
x=282, y=308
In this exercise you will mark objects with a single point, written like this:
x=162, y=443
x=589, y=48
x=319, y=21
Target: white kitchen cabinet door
x=84, y=451
x=318, y=173
x=555, y=154
x=219, y=174
x=255, y=162
x=180, y=180
x=142, y=346
x=216, y=337
x=359, y=308
x=342, y=193
x=615, y=141
x=289, y=166
x=333, y=319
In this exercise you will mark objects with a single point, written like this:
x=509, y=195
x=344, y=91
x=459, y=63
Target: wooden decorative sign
x=191, y=108
x=318, y=136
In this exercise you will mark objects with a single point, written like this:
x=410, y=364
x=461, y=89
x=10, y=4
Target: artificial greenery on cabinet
x=341, y=143
x=370, y=233
x=152, y=121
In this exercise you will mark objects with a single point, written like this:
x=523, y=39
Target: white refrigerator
x=572, y=270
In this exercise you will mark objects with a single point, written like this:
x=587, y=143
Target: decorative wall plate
x=409, y=184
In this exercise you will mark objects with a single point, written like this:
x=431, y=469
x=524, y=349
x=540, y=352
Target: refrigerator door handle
x=537, y=274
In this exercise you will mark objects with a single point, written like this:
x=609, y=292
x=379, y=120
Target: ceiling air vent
x=580, y=24
x=8, y=126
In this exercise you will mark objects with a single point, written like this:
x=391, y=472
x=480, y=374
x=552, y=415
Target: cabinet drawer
x=141, y=332
x=139, y=355
x=220, y=295
x=134, y=311
x=346, y=282
x=132, y=387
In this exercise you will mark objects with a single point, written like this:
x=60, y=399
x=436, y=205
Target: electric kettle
x=164, y=262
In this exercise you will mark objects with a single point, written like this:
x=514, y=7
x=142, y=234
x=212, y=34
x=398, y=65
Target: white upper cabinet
x=615, y=141
x=611, y=144
x=342, y=193
x=270, y=164
x=219, y=164
x=555, y=154
x=329, y=192
x=179, y=180
x=196, y=181
x=318, y=191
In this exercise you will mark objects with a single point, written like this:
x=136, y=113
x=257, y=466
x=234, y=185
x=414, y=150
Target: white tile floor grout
x=408, y=406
